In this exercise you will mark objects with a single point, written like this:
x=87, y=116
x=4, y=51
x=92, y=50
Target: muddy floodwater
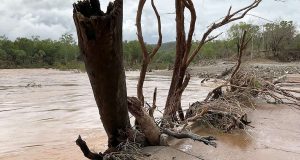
x=42, y=111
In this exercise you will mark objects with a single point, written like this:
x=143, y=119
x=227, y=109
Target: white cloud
x=52, y=18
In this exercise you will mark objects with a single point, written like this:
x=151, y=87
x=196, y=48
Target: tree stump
x=100, y=42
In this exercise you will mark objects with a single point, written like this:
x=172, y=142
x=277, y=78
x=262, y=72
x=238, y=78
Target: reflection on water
x=47, y=108
x=236, y=139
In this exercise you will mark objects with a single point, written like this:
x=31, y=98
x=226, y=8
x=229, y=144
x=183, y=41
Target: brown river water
x=42, y=111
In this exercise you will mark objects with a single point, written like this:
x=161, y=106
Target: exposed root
x=184, y=134
x=127, y=151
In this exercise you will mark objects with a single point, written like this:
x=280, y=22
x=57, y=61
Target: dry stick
x=86, y=151
x=193, y=119
x=152, y=109
x=241, y=47
x=290, y=90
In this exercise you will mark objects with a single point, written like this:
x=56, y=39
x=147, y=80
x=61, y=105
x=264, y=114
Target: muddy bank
x=275, y=135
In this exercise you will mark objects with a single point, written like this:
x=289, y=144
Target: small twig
x=152, y=109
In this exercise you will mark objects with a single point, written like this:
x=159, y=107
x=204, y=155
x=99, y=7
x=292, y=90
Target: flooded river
x=43, y=110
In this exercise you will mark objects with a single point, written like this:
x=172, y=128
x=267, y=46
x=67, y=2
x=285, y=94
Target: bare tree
x=100, y=42
x=184, y=55
x=147, y=56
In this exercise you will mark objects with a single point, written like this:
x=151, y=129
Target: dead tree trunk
x=173, y=100
x=100, y=42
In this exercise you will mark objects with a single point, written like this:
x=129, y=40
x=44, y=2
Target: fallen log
x=146, y=122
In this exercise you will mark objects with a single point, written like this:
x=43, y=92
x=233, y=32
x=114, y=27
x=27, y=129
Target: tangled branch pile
x=226, y=107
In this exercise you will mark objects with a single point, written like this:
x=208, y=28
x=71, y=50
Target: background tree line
x=36, y=53
x=275, y=40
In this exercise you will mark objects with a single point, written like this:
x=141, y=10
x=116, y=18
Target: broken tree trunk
x=146, y=122
x=100, y=42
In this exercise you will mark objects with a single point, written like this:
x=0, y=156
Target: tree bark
x=141, y=80
x=173, y=100
x=100, y=42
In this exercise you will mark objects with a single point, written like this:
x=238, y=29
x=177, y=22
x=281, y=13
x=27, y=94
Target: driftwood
x=86, y=151
x=206, y=140
x=224, y=110
x=146, y=122
x=226, y=72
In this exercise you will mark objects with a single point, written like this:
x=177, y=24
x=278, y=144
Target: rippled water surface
x=45, y=110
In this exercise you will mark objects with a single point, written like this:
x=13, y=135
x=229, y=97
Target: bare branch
x=189, y=4
x=241, y=47
x=227, y=19
x=159, y=41
x=212, y=38
x=152, y=109
x=139, y=28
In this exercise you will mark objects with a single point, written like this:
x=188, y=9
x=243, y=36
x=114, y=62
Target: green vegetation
x=277, y=40
x=36, y=53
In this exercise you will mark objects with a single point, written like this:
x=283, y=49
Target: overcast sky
x=52, y=18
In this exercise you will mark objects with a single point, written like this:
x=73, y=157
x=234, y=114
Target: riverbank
x=274, y=134
x=263, y=68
